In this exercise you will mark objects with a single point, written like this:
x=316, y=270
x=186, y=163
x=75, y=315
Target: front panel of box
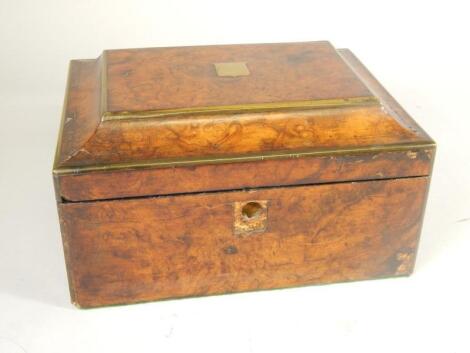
x=149, y=248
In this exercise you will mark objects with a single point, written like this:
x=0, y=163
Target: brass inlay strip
x=243, y=108
x=104, y=83
x=167, y=163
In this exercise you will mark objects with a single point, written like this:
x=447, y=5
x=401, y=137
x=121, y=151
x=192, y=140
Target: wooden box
x=214, y=169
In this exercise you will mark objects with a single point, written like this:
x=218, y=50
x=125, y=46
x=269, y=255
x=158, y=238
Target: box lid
x=161, y=107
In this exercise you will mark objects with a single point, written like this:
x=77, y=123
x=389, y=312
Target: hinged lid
x=160, y=107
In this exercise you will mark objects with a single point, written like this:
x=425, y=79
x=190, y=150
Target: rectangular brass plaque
x=232, y=69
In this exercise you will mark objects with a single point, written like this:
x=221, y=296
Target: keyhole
x=251, y=210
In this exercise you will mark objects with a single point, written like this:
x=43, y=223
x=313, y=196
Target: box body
x=206, y=170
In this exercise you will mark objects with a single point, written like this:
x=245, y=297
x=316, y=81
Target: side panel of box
x=133, y=250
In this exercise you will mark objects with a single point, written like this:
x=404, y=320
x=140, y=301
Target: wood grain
x=81, y=116
x=133, y=82
x=153, y=206
x=212, y=177
x=162, y=78
x=134, y=250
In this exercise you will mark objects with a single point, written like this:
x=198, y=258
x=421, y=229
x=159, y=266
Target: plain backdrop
x=418, y=50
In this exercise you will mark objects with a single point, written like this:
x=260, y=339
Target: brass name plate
x=231, y=69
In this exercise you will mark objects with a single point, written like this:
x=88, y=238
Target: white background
x=418, y=50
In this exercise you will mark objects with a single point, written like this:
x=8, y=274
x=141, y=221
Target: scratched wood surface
x=135, y=250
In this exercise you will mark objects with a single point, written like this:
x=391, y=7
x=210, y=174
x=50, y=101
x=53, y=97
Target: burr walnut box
x=192, y=171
